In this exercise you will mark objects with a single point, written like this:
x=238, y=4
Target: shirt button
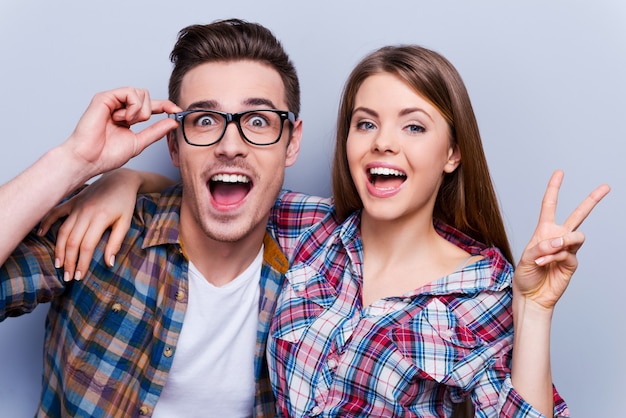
x=168, y=352
x=116, y=307
x=406, y=300
x=143, y=410
x=180, y=295
x=316, y=410
x=332, y=363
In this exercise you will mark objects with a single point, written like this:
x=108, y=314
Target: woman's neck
x=398, y=239
x=402, y=256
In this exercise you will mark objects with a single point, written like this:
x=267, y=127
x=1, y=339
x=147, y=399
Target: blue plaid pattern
x=414, y=355
x=110, y=338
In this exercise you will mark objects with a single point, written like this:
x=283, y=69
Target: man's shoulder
x=154, y=204
x=157, y=216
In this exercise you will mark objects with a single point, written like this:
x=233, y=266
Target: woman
x=402, y=302
x=405, y=308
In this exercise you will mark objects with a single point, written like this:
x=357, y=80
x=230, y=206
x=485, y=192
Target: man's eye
x=205, y=120
x=258, y=121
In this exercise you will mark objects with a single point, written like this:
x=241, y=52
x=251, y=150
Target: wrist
x=524, y=304
x=70, y=170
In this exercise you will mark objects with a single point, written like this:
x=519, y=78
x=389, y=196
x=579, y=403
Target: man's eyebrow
x=214, y=105
x=203, y=105
x=259, y=101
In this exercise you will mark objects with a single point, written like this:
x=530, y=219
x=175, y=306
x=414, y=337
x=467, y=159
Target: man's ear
x=293, y=148
x=454, y=159
x=172, y=145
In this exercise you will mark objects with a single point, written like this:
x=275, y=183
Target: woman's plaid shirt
x=406, y=356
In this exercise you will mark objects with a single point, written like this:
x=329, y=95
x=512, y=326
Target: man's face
x=229, y=187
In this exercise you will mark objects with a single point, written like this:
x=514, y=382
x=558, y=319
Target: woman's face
x=398, y=150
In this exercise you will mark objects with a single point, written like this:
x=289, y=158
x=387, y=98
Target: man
x=198, y=255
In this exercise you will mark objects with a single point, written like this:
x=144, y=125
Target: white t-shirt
x=212, y=373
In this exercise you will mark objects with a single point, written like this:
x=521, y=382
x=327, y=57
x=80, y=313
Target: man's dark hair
x=232, y=40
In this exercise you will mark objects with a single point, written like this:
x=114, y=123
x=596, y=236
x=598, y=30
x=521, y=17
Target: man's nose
x=232, y=143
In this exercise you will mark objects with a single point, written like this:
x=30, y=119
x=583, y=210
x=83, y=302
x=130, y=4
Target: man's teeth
x=384, y=171
x=230, y=178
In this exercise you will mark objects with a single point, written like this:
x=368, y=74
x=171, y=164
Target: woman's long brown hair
x=466, y=199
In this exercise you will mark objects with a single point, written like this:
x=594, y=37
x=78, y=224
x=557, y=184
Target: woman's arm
x=107, y=203
x=541, y=277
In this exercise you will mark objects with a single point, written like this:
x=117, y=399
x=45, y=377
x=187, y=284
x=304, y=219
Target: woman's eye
x=365, y=125
x=416, y=128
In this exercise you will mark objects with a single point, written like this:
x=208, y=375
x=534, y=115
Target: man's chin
x=229, y=231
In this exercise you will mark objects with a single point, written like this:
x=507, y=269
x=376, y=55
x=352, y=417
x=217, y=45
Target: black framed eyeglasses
x=258, y=127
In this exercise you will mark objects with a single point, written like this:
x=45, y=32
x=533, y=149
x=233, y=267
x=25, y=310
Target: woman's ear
x=454, y=159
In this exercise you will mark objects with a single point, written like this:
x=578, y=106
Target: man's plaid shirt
x=111, y=338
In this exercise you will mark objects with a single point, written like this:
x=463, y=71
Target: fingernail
x=112, y=261
x=77, y=276
x=57, y=263
x=40, y=232
x=66, y=276
x=539, y=261
x=556, y=243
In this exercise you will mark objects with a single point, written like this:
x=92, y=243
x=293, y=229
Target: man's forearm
x=103, y=140
x=29, y=196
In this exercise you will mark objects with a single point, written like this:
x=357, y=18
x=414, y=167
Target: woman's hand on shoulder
x=109, y=202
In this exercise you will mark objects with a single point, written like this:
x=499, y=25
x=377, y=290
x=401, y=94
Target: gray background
x=546, y=79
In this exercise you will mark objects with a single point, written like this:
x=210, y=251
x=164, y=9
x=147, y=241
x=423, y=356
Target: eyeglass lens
x=206, y=127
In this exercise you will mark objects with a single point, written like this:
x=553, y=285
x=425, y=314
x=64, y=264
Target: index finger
x=164, y=106
x=550, y=198
x=156, y=107
x=576, y=218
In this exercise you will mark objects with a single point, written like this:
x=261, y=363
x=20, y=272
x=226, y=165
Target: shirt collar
x=165, y=225
x=492, y=273
x=165, y=229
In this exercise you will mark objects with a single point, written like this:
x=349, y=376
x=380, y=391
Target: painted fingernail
x=40, y=232
x=57, y=263
x=556, y=243
x=66, y=276
x=77, y=276
x=112, y=261
x=539, y=261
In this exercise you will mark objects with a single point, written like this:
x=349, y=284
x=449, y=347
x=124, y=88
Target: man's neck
x=220, y=262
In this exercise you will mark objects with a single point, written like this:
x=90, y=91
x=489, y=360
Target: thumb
x=153, y=133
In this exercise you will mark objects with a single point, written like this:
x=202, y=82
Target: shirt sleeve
x=513, y=405
x=29, y=277
x=493, y=393
x=293, y=214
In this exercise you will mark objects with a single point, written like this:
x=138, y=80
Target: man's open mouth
x=229, y=189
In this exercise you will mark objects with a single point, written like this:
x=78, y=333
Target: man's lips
x=229, y=189
x=230, y=178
